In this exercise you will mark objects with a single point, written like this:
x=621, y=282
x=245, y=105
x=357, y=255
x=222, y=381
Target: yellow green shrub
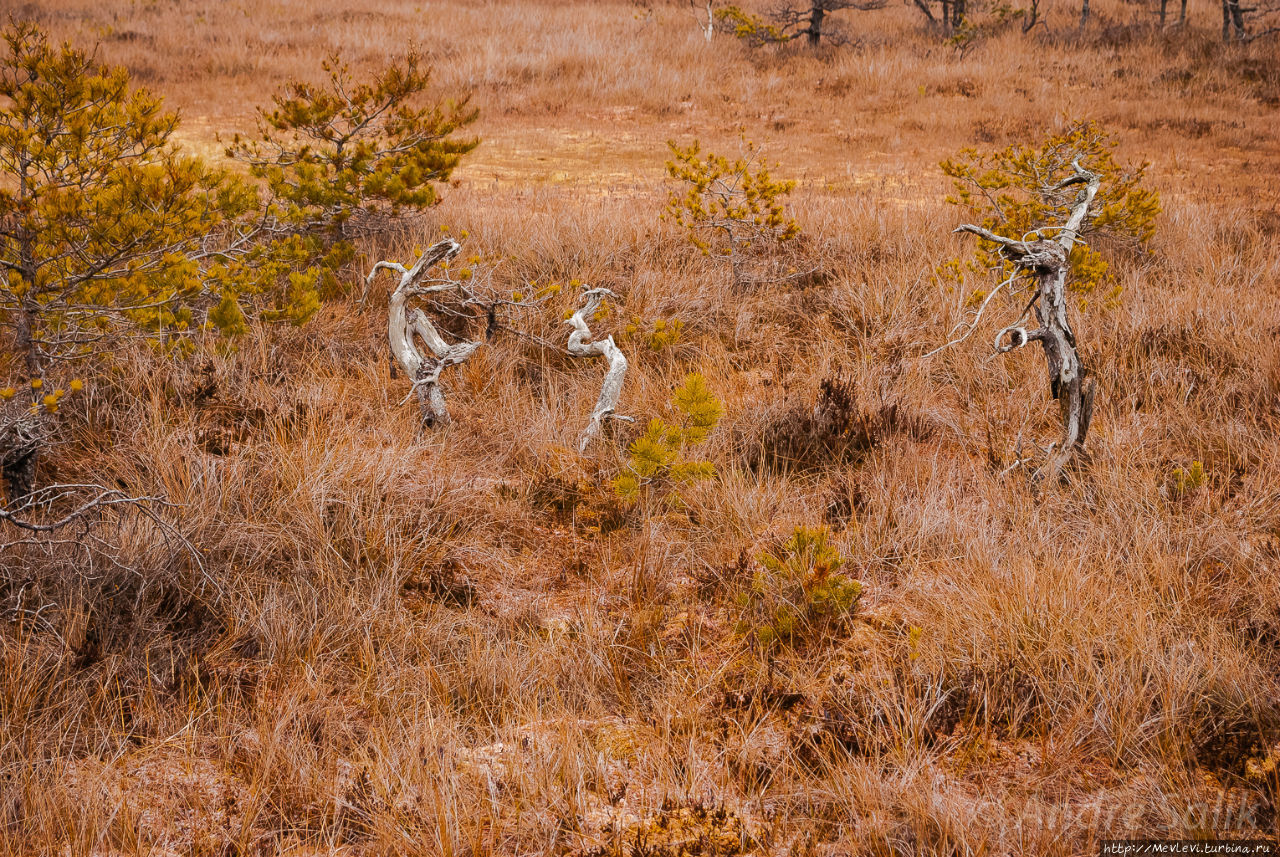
x=797, y=592
x=728, y=208
x=659, y=458
x=340, y=158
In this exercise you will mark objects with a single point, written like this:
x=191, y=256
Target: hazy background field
x=462, y=643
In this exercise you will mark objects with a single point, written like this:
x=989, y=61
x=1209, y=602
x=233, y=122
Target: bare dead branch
x=88, y=515
x=973, y=325
x=422, y=368
x=103, y=498
x=580, y=345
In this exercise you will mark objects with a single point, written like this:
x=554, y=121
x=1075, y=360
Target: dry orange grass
x=461, y=643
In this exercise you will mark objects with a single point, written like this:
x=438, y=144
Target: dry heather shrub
x=559, y=486
x=681, y=830
x=832, y=431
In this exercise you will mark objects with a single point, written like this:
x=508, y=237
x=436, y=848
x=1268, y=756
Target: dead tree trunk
x=423, y=369
x=707, y=26
x=923, y=6
x=1047, y=261
x=408, y=330
x=1232, y=20
x=23, y=433
x=580, y=345
x=815, y=24
x=1032, y=16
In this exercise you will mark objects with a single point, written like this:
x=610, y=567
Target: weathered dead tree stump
x=1047, y=262
x=580, y=345
x=423, y=368
x=406, y=330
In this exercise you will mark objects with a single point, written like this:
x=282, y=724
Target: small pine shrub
x=1183, y=482
x=999, y=18
x=798, y=593
x=964, y=35
x=26, y=425
x=659, y=459
x=41, y=398
x=749, y=27
x=1014, y=192
x=660, y=335
x=730, y=209
x=342, y=157
x=914, y=635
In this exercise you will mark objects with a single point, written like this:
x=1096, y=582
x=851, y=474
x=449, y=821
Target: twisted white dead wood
x=1047, y=261
x=402, y=326
x=708, y=24
x=580, y=345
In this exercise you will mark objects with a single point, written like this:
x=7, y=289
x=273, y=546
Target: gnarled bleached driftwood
x=580, y=345
x=1047, y=262
x=423, y=368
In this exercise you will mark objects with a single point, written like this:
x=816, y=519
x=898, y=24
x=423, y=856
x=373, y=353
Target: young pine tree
x=659, y=458
x=102, y=220
x=799, y=593
x=730, y=209
x=342, y=157
x=107, y=230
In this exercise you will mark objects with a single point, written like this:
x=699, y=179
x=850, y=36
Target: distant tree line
x=815, y=21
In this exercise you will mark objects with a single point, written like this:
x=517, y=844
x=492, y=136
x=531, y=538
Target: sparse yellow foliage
x=1014, y=192
x=726, y=207
x=749, y=27
x=1186, y=481
x=658, y=455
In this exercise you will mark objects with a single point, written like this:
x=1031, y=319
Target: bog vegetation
x=733, y=517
